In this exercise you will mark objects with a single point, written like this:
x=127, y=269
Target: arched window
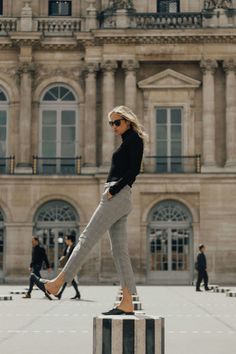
x=1, y=242
x=3, y=122
x=58, y=140
x=53, y=221
x=3, y=131
x=170, y=242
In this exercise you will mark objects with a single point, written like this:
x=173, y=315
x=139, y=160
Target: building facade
x=63, y=66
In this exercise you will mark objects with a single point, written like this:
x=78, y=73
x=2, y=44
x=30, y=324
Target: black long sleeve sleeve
x=126, y=161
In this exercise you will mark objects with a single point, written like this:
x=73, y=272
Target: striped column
x=128, y=335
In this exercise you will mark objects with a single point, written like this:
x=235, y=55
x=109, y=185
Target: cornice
x=137, y=36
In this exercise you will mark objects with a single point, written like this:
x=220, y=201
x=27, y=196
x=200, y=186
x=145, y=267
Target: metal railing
x=172, y=164
x=56, y=165
x=59, y=25
x=7, y=165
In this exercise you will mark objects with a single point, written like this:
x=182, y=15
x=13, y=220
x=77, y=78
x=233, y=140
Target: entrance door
x=53, y=241
x=170, y=245
x=53, y=221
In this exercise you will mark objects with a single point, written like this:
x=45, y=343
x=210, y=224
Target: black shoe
x=41, y=284
x=77, y=296
x=198, y=290
x=26, y=296
x=58, y=296
x=207, y=289
x=116, y=312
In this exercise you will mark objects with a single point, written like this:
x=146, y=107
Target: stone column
x=108, y=97
x=25, y=72
x=130, y=67
x=209, y=152
x=230, y=70
x=90, y=115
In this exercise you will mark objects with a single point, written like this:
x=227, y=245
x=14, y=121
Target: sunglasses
x=115, y=122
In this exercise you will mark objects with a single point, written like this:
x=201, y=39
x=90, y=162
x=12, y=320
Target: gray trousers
x=110, y=215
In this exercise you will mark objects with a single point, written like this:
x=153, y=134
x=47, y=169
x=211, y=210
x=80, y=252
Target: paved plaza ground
x=195, y=323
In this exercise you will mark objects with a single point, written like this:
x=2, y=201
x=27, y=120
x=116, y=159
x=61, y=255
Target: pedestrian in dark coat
x=201, y=266
x=39, y=257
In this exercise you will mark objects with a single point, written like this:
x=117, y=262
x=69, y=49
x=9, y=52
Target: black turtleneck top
x=126, y=161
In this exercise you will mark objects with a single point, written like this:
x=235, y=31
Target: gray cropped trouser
x=110, y=215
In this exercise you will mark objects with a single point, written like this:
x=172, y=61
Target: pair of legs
x=110, y=215
x=36, y=271
x=202, y=275
x=75, y=286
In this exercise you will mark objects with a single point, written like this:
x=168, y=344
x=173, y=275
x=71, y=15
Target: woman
x=111, y=214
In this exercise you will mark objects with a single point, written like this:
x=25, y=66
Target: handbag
x=63, y=260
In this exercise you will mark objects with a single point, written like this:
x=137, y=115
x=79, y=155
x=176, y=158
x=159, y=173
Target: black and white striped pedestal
x=231, y=294
x=18, y=292
x=128, y=335
x=5, y=297
x=221, y=290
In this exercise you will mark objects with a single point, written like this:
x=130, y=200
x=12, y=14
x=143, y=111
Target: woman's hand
x=109, y=195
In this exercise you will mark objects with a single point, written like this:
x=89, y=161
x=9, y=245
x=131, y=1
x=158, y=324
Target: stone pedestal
x=91, y=17
x=128, y=334
x=26, y=21
x=122, y=18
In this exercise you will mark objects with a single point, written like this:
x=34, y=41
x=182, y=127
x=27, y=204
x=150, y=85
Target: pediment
x=168, y=79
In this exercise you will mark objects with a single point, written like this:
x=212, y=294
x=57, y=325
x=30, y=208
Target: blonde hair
x=129, y=115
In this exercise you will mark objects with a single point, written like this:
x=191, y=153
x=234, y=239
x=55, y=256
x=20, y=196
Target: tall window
x=168, y=6
x=3, y=128
x=58, y=133
x=169, y=139
x=59, y=8
x=1, y=7
x=1, y=242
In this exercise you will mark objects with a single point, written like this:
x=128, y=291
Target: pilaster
x=208, y=68
x=108, y=95
x=230, y=93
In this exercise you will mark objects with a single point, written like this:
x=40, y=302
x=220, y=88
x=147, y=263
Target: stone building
x=63, y=66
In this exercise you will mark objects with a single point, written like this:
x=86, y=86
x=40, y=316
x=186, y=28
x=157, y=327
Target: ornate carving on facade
x=229, y=65
x=217, y=4
x=130, y=65
x=208, y=65
x=91, y=67
x=165, y=39
x=109, y=65
x=43, y=73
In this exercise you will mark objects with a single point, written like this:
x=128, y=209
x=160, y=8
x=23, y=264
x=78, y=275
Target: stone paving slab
x=195, y=322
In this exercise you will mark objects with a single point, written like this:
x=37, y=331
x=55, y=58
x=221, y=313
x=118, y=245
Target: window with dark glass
x=59, y=8
x=168, y=6
x=1, y=7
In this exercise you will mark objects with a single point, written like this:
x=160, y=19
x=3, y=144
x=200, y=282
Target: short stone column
x=230, y=70
x=90, y=130
x=130, y=67
x=25, y=72
x=141, y=334
x=108, y=96
x=209, y=149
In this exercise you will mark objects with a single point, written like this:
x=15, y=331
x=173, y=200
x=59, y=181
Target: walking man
x=201, y=266
x=39, y=257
